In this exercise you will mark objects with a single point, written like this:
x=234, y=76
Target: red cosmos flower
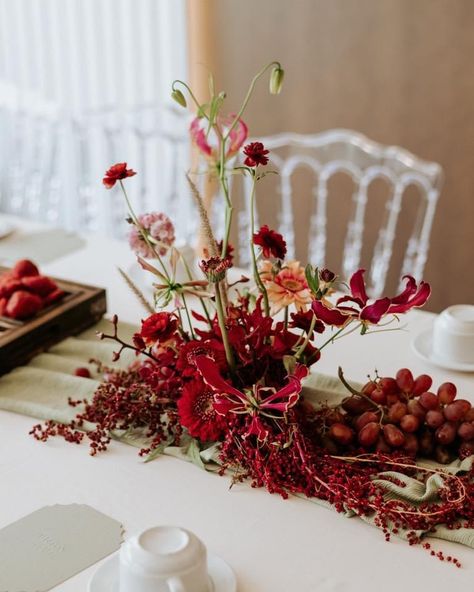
x=197, y=413
x=160, y=326
x=411, y=297
x=116, y=173
x=256, y=154
x=272, y=243
x=203, y=140
x=258, y=401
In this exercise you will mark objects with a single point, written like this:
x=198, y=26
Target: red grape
x=426, y=443
x=393, y=435
x=416, y=409
x=405, y=380
x=364, y=419
x=455, y=411
x=446, y=433
x=341, y=433
x=369, y=434
x=469, y=415
x=429, y=400
x=409, y=423
x=397, y=411
x=382, y=445
x=388, y=385
x=356, y=405
x=447, y=393
x=411, y=444
x=466, y=431
x=392, y=398
x=422, y=384
x=369, y=387
x=378, y=396
x=434, y=418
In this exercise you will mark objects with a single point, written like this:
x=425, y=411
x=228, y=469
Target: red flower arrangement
x=231, y=375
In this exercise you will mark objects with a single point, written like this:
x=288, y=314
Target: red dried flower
x=160, y=326
x=197, y=414
x=273, y=244
x=116, y=173
x=229, y=254
x=256, y=154
x=215, y=268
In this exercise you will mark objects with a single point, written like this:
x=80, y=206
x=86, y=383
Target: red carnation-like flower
x=116, y=173
x=160, y=326
x=256, y=154
x=197, y=414
x=272, y=243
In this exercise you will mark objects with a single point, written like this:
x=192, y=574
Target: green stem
x=221, y=319
x=201, y=300
x=191, y=94
x=286, y=317
x=143, y=230
x=333, y=337
x=302, y=347
x=256, y=275
x=249, y=94
x=188, y=316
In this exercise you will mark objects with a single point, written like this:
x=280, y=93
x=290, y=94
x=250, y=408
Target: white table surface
x=273, y=545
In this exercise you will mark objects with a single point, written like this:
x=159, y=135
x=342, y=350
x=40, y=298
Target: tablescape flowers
x=221, y=365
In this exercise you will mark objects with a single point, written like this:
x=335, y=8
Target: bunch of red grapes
x=403, y=414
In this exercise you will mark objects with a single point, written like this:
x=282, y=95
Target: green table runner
x=42, y=389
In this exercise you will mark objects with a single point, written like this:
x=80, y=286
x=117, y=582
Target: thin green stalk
x=286, y=317
x=256, y=275
x=221, y=319
x=201, y=300
x=333, y=337
x=302, y=347
x=191, y=94
x=188, y=316
x=143, y=231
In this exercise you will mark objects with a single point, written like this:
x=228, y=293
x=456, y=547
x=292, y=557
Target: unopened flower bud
x=327, y=276
x=276, y=80
x=178, y=96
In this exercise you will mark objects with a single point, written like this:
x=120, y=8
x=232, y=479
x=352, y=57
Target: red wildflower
x=256, y=154
x=160, y=326
x=412, y=296
x=116, y=173
x=272, y=243
x=302, y=320
x=197, y=414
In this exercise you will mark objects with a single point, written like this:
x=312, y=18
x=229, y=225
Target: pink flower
x=370, y=313
x=117, y=172
x=258, y=401
x=203, y=139
x=286, y=287
x=160, y=230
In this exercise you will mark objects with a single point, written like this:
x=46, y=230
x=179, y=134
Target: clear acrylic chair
x=335, y=151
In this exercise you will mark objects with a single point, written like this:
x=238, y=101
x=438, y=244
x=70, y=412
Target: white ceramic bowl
x=453, y=334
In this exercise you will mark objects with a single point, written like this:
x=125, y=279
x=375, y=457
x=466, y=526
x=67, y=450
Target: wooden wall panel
x=400, y=71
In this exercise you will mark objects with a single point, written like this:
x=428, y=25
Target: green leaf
x=312, y=278
x=194, y=453
x=158, y=451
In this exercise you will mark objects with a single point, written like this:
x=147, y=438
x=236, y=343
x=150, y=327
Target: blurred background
x=84, y=83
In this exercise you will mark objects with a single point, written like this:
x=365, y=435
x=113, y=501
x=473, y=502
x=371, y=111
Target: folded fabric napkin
x=42, y=389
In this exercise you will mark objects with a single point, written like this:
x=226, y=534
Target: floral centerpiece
x=221, y=362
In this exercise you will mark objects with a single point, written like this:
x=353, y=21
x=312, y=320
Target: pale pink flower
x=160, y=230
x=286, y=287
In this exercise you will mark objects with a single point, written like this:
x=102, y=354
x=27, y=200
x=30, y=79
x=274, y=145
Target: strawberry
x=22, y=305
x=54, y=296
x=39, y=284
x=8, y=287
x=24, y=268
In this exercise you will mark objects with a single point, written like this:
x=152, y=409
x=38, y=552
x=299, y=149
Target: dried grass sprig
x=136, y=290
x=205, y=224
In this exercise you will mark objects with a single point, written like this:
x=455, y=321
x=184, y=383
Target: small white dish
x=422, y=345
x=105, y=579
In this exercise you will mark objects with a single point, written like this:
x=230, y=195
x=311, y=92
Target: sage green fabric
x=42, y=389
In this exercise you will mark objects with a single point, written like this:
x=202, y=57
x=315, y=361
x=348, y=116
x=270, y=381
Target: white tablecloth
x=273, y=545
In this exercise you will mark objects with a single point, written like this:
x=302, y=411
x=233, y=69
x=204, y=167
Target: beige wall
x=400, y=71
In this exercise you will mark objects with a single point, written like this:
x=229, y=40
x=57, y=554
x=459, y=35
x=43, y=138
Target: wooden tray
x=82, y=307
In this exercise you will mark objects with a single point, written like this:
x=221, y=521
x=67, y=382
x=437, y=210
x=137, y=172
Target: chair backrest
x=339, y=150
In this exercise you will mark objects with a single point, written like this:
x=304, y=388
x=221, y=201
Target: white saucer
x=105, y=579
x=421, y=345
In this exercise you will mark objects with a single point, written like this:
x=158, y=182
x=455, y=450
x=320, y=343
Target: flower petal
x=330, y=316
x=409, y=290
x=211, y=375
x=357, y=285
x=419, y=299
x=374, y=312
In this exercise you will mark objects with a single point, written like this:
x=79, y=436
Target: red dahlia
x=160, y=326
x=116, y=173
x=197, y=414
x=256, y=154
x=272, y=243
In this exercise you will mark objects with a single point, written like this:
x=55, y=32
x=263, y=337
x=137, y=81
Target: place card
x=52, y=544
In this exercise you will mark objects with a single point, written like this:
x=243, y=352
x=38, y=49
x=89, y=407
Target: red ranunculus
x=197, y=414
x=272, y=243
x=160, y=326
x=256, y=154
x=116, y=173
